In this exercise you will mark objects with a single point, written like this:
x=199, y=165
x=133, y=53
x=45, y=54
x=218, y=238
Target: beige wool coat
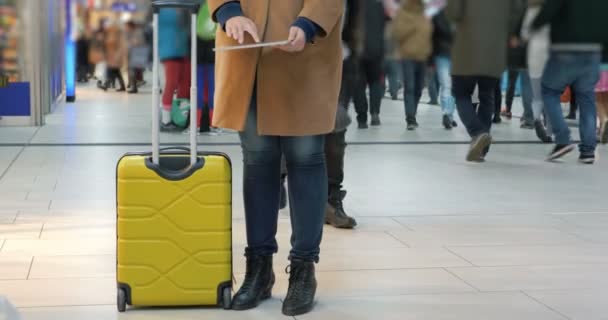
x=297, y=93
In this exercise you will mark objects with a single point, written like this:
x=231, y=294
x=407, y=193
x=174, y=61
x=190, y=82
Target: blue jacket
x=173, y=34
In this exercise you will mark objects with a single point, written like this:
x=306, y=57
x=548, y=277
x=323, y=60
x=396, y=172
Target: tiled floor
x=439, y=238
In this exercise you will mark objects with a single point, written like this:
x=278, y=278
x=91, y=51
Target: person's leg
x=121, y=81
x=497, y=103
x=512, y=76
x=602, y=108
x=419, y=77
x=526, y=95
x=307, y=180
x=462, y=89
x=210, y=68
x=183, y=90
x=558, y=74
x=584, y=89
x=486, y=102
x=443, y=65
x=359, y=95
x=335, y=147
x=433, y=84
x=573, y=106
x=409, y=91
x=172, y=69
x=376, y=89
x=538, y=112
x=261, y=176
x=200, y=94
x=392, y=72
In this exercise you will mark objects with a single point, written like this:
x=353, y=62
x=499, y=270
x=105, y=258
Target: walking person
x=370, y=61
x=282, y=101
x=479, y=57
x=116, y=54
x=578, y=36
x=443, y=37
x=138, y=53
x=412, y=31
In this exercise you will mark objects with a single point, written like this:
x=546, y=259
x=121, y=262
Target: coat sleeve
x=456, y=9
x=214, y=5
x=324, y=13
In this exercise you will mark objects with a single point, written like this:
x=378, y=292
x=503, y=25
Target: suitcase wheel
x=121, y=300
x=227, y=298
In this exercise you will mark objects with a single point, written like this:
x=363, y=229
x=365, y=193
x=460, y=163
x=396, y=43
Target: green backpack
x=180, y=110
x=205, y=26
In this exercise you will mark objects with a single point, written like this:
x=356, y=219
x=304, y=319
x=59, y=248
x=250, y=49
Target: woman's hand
x=237, y=26
x=297, y=40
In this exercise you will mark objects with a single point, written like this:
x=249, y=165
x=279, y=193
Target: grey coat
x=483, y=28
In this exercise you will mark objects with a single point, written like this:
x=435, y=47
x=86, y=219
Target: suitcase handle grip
x=192, y=5
x=176, y=148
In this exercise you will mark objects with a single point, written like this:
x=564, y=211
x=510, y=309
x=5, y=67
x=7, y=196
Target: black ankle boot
x=334, y=211
x=257, y=286
x=300, y=297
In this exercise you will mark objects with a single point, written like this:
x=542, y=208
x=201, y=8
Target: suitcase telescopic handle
x=193, y=5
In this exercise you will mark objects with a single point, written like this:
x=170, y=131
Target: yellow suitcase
x=174, y=217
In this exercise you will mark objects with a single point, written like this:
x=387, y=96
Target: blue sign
x=15, y=99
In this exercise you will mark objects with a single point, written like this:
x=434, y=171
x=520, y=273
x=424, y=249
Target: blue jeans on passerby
x=413, y=83
x=526, y=95
x=392, y=70
x=307, y=181
x=443, y=66
x=476, y=120
x=580, y=70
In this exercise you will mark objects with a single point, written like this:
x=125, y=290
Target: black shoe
x=497, y=119
x=334, y=212
x=300, y=297
x=132, y=90
x=283, y=197
x=170, y=127
x=375, y=120
x=559, y=151
x=394, y=97
x=447, y=122
x=571, y=116
x=257, y=285
x=478, y=147
x=434, y=102
x=586, y=158
x=541, y=132
x=507, y=114
x=363, y=125
x=123, y=89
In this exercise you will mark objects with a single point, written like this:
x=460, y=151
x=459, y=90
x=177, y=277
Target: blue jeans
x=307, y=180
x=444, y=65
x=413, y=83
x=393, y=75
x=579, y=70
x=526, y=95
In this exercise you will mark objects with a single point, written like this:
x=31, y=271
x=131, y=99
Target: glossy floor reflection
x=439, y=238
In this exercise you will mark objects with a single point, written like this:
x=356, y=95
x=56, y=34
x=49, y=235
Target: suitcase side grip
x=175, y=168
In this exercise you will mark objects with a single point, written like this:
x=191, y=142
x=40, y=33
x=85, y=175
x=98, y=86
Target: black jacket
x=205, y=53
x=364, y=26
x=575, y=22
x=443, y=35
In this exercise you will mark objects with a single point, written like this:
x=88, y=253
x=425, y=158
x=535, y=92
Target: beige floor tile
x=20, y=231
x=89, y=266
x=12, y=195
x=85, y=217
x=79, y=205
x=269, y=310
x=97, y=229
x=25, y=204
x=534, y=277
x=495, y=256
x=371, y=283
x=345, y=239
x=60, y=292
x=392, y=258
x=482, y=221
x=57, y=247
x=480, y=306
x=7, y=216
x=471, y=236
x=14, y=266
x=576, y=304
x=377, y=224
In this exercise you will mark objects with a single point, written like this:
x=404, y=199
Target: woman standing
x=412, y=32
x=282, y=101
x=116, y=52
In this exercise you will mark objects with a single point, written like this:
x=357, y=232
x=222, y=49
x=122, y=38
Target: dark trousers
x=413, y=83
x=113, y=75
x=369, y=74
x=433, y=84
x=305, y=161
x=476, y=121
x=512, y=74
x=335, y=148
x=497, y=99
